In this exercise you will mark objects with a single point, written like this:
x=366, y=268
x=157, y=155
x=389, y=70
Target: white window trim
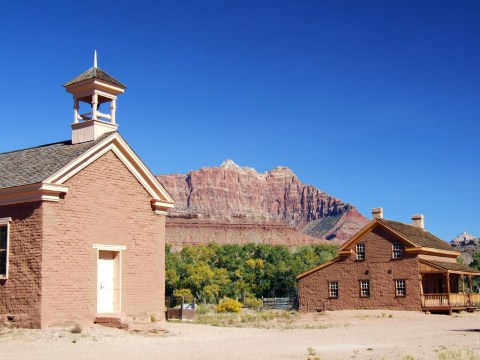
x=6, y=221
x=109, y=247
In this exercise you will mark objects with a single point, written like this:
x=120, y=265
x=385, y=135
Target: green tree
x=211, y=272
x=476, y=260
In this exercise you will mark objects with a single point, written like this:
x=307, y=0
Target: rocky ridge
x=271, y=207
x=467, y=244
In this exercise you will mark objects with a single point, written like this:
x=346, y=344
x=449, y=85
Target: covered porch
x=448, y=287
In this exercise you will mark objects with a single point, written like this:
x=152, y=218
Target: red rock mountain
x=232, y=204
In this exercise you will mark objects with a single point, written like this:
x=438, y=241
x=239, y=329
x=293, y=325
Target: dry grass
x=246, y=318
x=459, y=355
x=263, y=319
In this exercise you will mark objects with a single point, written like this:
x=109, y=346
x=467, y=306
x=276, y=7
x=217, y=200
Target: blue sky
x=374, y=102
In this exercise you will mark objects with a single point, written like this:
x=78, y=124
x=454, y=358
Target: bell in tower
x=94, y=88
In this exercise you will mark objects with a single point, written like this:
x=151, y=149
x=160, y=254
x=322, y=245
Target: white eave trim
x=161, y=207
x=33, y=192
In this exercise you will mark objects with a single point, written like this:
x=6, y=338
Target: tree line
x=212, y=272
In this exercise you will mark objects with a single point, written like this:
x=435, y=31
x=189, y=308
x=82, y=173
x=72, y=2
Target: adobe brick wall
x=20, y=294
x=379, y=268
x=105, y=205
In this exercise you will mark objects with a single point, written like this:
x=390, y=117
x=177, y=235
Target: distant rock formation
x=233, y=204
x=467, y=244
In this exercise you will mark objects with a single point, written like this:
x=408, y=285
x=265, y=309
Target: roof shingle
x=417, y=235
x=95, y=73
x=34, y=165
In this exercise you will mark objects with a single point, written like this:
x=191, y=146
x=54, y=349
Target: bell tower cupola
x=91, y=90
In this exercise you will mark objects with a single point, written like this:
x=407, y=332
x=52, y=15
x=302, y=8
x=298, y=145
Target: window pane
x=364, y=288
x=3, y=263
x=360, y=250
x=400, y=287
x=3, y=237
x=333, y=287
x=397, y=249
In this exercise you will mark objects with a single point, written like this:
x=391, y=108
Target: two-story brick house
x=390, y=265
x=82, y=222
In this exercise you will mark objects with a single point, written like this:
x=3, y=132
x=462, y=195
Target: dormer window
x=397, y=250
x=360, y=250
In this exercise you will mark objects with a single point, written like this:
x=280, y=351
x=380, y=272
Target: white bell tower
x=94, y=88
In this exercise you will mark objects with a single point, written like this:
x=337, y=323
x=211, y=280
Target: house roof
x=95, y=73
x=456, y=267
x=40, y=173
x=417, y=235
x=36, y=164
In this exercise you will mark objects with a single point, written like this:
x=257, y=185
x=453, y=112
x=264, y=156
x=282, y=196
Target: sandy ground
x=334, y=335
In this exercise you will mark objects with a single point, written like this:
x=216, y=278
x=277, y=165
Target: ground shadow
x=468, y=330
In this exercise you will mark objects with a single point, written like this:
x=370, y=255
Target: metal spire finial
x=95, y=59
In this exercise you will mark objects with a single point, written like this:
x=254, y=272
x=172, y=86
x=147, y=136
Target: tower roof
x=95, y=73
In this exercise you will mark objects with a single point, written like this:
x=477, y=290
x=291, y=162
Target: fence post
x=181, y=308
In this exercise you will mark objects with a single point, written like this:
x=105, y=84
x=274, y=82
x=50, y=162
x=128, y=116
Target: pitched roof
x=95, y=73
x=453, y=266
x=417, y=235
x=33, y=165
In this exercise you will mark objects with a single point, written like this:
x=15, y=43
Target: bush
x=252, y=303
x=183, y=292
x=229, y=305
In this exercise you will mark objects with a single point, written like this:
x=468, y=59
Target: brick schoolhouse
x=390, y=265
x=82, y=222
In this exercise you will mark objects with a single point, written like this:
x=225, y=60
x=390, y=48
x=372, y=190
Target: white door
x=105, y=289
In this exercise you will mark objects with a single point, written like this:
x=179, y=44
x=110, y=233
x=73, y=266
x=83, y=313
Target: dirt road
x=335, y=335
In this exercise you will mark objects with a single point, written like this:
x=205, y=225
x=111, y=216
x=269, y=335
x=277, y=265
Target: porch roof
x=452, y=267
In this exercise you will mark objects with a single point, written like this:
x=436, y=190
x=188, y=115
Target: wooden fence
x=279, y=303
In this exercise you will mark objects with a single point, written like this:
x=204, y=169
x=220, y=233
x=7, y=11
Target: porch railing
x=452, y=300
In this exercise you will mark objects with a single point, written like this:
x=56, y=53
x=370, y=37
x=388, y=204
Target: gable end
x=161, y=200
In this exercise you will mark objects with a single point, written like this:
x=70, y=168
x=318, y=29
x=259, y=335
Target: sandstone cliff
x=229, y=197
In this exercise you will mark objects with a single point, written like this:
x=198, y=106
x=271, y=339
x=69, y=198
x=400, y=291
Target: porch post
x=422, y=297
x=471, y=290
x=448, y=290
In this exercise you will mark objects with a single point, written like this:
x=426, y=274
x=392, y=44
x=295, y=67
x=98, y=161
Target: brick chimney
x=418, y=221
x=377, y=213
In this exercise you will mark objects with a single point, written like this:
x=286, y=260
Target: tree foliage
x=476, y=260
x=212, y=272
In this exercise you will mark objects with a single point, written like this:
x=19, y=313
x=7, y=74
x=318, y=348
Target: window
x=364, y=288
x=333, y=288
x=397, y=250
x=400, y=288
x=4, y=227
x=360, y=250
